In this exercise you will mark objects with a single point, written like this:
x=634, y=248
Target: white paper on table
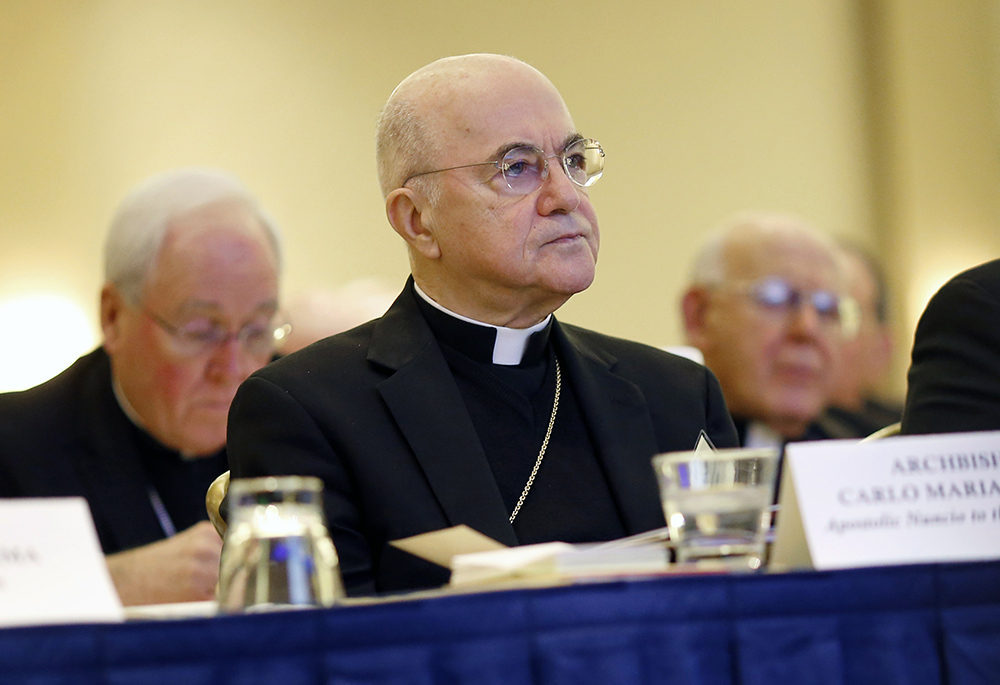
x=52, y=569
x=559, y=562
x=159, y=612
x=509, y=562
x=441, y=546
x=476, y=559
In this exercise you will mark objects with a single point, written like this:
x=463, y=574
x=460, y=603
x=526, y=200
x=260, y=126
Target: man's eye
x=520, y=161
x=826, y=304
x=516, y=167
x=257, y=334
x=201, y=331
x=774, y=294
x=577, y=161
x=203, y=335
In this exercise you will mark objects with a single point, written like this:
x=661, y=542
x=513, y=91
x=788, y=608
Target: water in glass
x=277, y=552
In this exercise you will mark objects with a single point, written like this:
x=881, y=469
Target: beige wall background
x=875, y=120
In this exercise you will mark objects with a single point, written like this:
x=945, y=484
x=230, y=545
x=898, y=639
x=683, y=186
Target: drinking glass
x=277, y=552
x=718, y=504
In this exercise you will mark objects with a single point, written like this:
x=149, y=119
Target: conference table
x=912, y=624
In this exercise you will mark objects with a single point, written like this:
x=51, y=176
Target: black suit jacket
x=376, y=413
x=68, y=437
x=954, y=380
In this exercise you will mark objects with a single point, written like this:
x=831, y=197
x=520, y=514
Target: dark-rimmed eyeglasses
x=203, y=335
x=525, y=168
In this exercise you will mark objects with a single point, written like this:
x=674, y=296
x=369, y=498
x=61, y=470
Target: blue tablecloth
x=920, y=624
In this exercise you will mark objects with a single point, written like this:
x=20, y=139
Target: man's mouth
x=566, y=238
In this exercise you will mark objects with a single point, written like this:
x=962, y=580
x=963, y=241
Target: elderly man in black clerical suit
x=138, y=427
x=467, y=402
x=768, y=308
x=954, y=380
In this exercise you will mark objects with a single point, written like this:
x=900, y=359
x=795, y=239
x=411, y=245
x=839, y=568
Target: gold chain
x=545, y=444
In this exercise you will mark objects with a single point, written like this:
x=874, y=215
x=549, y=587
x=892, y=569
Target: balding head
x=747, y=238
x=492, y=251
x=431, y=101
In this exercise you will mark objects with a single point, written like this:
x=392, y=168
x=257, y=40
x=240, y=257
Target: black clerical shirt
x=510, y=407
x=178, y=484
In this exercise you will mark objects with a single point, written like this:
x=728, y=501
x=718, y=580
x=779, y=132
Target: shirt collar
x=499, y=344
x=133, y=417
x=761, y=435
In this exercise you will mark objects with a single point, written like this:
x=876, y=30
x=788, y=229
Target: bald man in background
x=766, y=307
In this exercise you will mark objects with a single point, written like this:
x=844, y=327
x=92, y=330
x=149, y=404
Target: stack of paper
x=558, y=562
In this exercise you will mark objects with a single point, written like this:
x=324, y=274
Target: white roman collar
x=125, y=405
x=133, y=415
x=761, y=435
x=510, y=344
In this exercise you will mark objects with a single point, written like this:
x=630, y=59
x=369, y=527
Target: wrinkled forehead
x=475, y=105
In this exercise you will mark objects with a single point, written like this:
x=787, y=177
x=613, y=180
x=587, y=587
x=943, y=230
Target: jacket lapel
x=111, y=471
x=428, y=408
x=615, y=410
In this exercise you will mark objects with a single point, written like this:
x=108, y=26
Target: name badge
x=901, y=500
x=51, y=566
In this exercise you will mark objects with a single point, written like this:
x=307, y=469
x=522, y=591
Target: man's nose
x=805, y=320
x=229, y=360
x=558, y=193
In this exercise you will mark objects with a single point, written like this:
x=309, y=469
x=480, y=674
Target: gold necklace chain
x=545, y=445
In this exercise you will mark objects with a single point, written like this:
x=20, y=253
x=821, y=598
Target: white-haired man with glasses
x=467, y=402
x=138, y=427
x=767, y=308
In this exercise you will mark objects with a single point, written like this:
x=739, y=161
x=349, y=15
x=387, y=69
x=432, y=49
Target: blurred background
x=876, y=120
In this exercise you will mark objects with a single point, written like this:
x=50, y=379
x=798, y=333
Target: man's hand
x=184, y=568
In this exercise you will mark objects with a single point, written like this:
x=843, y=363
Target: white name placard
x=51, y=566
x=901, y=500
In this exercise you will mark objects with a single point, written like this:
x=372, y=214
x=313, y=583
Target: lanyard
x=166, y=523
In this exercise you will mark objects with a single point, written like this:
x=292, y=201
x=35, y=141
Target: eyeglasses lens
x=826, y=304
x=584, y=162
x=254, y=338
x=777, y=294
x=524, y=168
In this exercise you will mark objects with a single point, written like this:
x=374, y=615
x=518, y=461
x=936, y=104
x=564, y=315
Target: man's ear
x=410, y=216
x=112, y=304
x=694, y=307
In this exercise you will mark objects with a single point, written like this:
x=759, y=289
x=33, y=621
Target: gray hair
x=709, y=266
x=402, y=144
x=141, y=221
